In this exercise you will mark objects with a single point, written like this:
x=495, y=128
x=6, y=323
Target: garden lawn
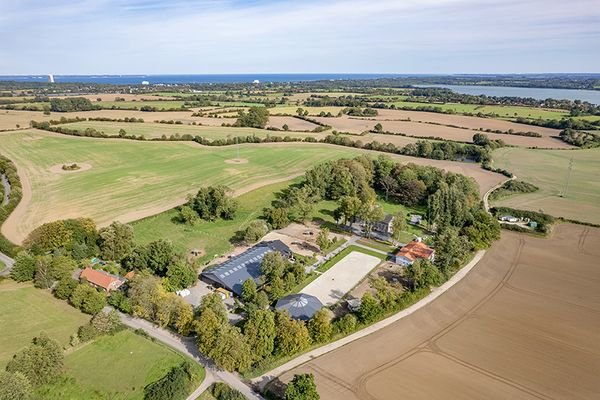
x=116, y=367
x=548, y=170
x=26, y=311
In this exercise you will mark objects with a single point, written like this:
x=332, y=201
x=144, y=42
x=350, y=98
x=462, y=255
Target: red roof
x=100, y=278
x=129, y=275
x=415, y=250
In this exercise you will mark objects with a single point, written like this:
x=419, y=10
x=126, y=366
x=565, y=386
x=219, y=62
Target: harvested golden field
x=522, y=324
x=294, y=124
x=463, y=121
x=359, y=125
x=9, y=119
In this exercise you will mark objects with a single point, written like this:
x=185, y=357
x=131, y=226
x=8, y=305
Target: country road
x=188, y=347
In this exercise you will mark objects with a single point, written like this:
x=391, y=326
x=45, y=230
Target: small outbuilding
x=300, y=306
x=101, y=279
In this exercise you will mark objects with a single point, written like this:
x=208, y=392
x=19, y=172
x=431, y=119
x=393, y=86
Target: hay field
x=9, y=119
x=26, y=311
x=463, y=121
x=548, y=169
x=359, y=125
x=312, y=111
x=152, y=130
x=522, y=324
x=130, y=180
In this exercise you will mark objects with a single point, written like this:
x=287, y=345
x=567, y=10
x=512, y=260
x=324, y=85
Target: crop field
x=312, y=111
x=527, y=329
x=501, y=111
x=152, y=130
x=26, y=311
x=359, y=125
x=130, y=105
x=115, y=367
x=548, y=169
x=9, y=119
x=463, y=121
x=128, y=97
x=294, y=124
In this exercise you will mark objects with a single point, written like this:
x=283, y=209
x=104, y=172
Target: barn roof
x=234, y=272
x=300, y=306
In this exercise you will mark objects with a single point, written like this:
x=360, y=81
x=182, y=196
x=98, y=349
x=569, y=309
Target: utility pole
x=564, y=192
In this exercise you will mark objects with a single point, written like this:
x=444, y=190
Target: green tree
x=62, y=267
x=276, y=288
x=292, y=336
x=254, y=231
x=65, y=288
x=160, y=255
x=423, y=273
x=24, y=267
x=14, y=386
x=260, y=333
x=286, y=127
x=277, y=217
x=349, y=208
x=187, y=215
x=345, y=325
x=370, y=213
x=272, y=265
x=249, y=291
x=378, y=128
x=231, y=350
x=398, y=225
x=370, y=309
x=42, y=361
x=180, y=274
x=214, y=302
x=323, y=240
x=451, y=250
x=115, y=241
x=255, y=117
x=175, y=385
x=302, y=387
x=88, y=299
x=43, y=272
x=106, y=322
x=262, y=300
x=207, y=326
x=320, y=327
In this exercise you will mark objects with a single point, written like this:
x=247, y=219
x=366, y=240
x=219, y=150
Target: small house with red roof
x=101, y=279
x=412, y=252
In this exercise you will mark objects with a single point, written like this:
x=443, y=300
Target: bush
x=173, y=386
x=221, y=391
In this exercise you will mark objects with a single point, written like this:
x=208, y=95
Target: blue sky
x=269, y=36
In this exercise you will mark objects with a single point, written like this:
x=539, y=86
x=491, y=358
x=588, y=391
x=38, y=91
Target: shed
x=300, y=306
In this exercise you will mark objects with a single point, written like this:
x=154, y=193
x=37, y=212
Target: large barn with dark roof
x=232, y=274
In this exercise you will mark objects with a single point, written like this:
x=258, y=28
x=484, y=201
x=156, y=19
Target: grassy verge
x=376, y=245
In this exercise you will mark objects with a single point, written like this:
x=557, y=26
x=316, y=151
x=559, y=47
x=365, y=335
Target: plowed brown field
x=522, y=324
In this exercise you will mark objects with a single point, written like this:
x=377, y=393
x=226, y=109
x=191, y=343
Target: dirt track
x=522, y=324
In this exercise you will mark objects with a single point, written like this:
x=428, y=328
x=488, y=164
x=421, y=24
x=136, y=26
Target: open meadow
x=549, y=169
x=128, y=180
x=26, y=311
x=522, y=324
x=115, y=367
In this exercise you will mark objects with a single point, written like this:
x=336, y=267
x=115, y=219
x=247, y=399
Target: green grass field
x=152, y=130
x=26, y=311
x=212, y=237
x=129, y=180
x=502, y=111
x=115, y=367
x=291, y=110
x=548, y=169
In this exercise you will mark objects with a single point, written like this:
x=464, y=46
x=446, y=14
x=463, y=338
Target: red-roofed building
x=101, y=279
x=412, y=252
